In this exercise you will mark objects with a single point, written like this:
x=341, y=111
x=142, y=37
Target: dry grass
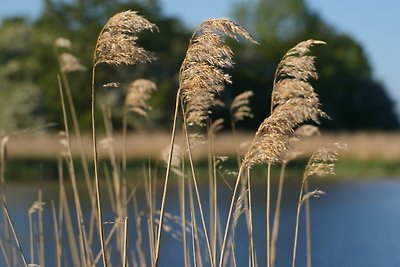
x=363, y=146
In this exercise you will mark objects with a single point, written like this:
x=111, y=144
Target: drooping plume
x=138, y=94
x=322, y=162
x=117, y=44
x=202, y=73
x=294, y=102
x=240, y=108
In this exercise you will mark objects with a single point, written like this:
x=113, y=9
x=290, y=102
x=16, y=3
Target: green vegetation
x=349, y=94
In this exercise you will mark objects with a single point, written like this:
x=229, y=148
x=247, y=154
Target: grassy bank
x=34, y=169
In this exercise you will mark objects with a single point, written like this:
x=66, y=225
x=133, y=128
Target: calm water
x=357, y=223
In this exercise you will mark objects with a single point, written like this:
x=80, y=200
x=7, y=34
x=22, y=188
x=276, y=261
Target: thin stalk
x=81, y=226
x=116, y=178
x=99, y=210
x=182, y=201
x=308, y=225
x=57, y=239
x=224, y=240
x=211, y=202
x=197, y=190
x=149, y=197
x=108, y=238
x=75, y=125
x=296, y=231
x=68, y=221
x=213, y=192
x=5, y=207
x=195, y=236
x=139, y=236
x=42, y=260
x=31, y=238
x=249, y=219
x=125, y=250
x=61, y=198
x=268, y=215
x=162, y=209
x=3, y=160
x=275, y=227
x=124, y=164
x=250, y=215
x=3, y=251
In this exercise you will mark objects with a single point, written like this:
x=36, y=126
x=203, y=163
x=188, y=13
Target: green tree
x=28, y=66
x=352, y=98
x=81, y=21
x=19, y=95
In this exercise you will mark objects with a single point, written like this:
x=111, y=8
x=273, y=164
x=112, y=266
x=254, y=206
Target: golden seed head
x=202, y=73
x=117, y=41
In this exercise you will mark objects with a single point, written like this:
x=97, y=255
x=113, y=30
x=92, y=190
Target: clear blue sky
x=373, y=23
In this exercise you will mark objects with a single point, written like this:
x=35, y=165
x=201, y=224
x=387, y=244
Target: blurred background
x=358, y=85
x=358, y=82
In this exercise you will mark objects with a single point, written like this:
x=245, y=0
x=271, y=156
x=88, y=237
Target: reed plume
x=117, y=41
x=69, y=63
x=116, y=45
x=240, y=108
x=200, y=77
x=138, y=94
x=293, y=102
x=202, y=72
x=321, y=163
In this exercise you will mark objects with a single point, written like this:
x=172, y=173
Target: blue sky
x=373, y=23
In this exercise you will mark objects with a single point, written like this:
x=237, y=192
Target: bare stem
x=296, y=231
x=99, y=211
x=196, y=188
x=268, y=215
x=224, y=240
x=277, y=213
x=308, y=225
x=171, y=150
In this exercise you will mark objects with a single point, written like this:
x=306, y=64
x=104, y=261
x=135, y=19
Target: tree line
x=28, y=65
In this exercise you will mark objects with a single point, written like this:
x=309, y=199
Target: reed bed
x=207, y=237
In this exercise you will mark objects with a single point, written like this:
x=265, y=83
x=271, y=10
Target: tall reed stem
x=253, y=259
x=82, y=234
x=308, y=225
x=296, y=231
x=268, y=218
x=162, y=209
x=277, y=215
x=99, y=211
x=224, y=240
x=196, y=188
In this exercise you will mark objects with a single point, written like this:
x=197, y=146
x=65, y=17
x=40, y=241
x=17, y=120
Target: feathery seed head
x=69, y=63
x=322, y=161
x=117, y=44
x=202, y=72
x=292, y=78
x=138, y=94
x=271, y=142
x=240, y=108
x=62, y=42
x=293, y=103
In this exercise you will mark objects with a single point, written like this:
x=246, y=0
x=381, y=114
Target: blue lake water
x=357, y=223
